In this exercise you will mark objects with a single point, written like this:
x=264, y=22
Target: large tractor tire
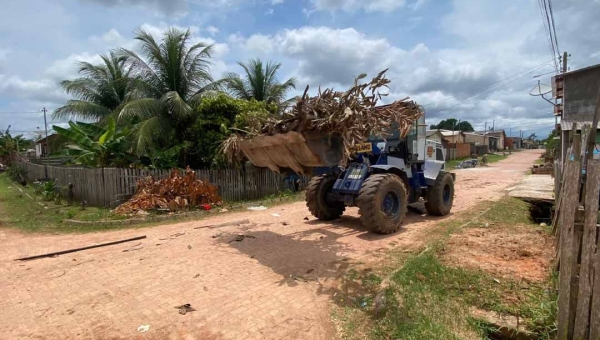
x=382, y=203
x=316, y=199
x=440, y=195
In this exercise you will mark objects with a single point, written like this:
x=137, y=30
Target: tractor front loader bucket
x=294, y=150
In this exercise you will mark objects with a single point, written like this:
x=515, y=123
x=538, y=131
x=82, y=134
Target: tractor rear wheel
x=382, y=203
x=317, y=199
x=440, y=195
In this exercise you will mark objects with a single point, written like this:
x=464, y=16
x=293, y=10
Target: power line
x=554, y=27
x=547, y=30
x=529, y=127
x=18, y=112
x=552, y=35
x=493, y=83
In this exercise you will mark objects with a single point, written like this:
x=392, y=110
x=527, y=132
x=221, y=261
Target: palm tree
x=171, y=77
x=259, y=82
x=100, y=90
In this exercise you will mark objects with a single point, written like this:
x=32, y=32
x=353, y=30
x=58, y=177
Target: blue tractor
x=382, y=177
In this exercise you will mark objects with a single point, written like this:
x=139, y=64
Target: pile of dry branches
x=353, y=114
x=173, y=193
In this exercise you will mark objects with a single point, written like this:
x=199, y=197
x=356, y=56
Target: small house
x=453, y=137
x=434, y=135
x=497, y=138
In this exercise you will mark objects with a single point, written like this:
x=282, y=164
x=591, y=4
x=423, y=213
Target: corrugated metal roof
x=451, y=133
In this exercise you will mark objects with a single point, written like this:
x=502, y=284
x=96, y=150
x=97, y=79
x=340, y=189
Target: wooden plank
x=577, y=236
x=576, y=147
x=595, y=310
x=588, y=250
x=127, y=181
x=80, y=249
x=568, y=256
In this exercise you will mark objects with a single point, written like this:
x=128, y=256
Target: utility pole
x=46, y=128
x=493, y=125
x=484, y=132
x=564, y=69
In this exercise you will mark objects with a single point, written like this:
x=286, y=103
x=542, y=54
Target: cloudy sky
x=469, y=59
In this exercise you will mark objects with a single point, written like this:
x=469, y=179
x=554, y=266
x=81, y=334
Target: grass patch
x=495, y=157
x=451, y=165
x=427, y=299
x=21, y=212
x=17, y=210
x=509, y=211
x=492, y=158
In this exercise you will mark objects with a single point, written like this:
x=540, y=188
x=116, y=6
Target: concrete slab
x=534, y=188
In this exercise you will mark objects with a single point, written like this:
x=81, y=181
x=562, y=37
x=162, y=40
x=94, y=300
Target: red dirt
x=507, y=252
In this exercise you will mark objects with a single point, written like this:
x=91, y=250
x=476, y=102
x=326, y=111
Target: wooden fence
x=578, y=255
x=107, y=187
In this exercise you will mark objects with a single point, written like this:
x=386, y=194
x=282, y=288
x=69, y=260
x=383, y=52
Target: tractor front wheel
x=317, y=199
x=382, y=203
x=440, y=195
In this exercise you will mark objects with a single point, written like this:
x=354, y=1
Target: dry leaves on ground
x=174, y=193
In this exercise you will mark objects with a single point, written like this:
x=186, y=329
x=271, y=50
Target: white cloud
x=212, y=30
x=270, y=11
x=170, y=7
x=4, y=52
x=276, y=2
x=112, y=38
x=336, y=56
x=415, y=6
x=354, y=5
x=259, y=43
x=67, y=68
x=236, y=39
x=455, y=81
x=40, y=91
x=158, y=30
x=219, y=49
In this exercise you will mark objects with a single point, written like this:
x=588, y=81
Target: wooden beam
x=79, y=249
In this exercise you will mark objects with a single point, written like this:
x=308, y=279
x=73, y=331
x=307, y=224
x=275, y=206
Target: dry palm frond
x=353, y=114
x=173, y=193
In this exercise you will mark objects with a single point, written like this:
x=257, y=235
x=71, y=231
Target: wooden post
x=586, y=274
x=568, y=255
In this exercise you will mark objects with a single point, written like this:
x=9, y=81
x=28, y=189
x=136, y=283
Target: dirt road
x=271, y=285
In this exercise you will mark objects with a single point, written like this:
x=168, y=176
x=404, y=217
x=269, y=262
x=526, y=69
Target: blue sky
x=442, y=53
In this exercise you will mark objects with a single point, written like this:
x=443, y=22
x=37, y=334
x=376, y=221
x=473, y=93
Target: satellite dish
x=540, y=89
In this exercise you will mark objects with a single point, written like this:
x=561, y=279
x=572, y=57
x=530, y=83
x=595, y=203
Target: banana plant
x=97, y=146
x=9, y=146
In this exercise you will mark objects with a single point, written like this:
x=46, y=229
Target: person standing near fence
x=292, y=181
